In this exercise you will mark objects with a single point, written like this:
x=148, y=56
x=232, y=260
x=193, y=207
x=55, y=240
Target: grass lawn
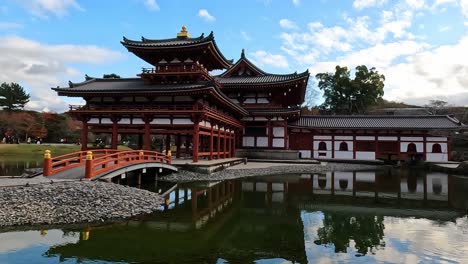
x=36, y=152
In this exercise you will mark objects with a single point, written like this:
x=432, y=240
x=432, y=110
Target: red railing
x=99, y=161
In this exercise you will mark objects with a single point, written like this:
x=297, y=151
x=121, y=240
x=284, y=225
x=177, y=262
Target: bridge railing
x=53, y=165
x=100, y=161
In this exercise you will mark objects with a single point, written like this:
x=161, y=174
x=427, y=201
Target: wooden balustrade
x=100, y=161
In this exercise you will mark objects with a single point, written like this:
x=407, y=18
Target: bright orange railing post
x=47, y=168
x=169, y=157
x=89, y=165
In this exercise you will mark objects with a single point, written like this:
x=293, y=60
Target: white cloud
x=41, y=8
x=10, y=25
x=151, y=5
x=262, y=57
x=288, y=24
x=38, y=66
x=361, y=4
x=203, y=13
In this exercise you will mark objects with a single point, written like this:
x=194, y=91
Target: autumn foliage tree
x=344, y=95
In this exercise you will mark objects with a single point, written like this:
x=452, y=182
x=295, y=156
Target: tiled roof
x=137, y=85
x=274, y=110
x=265, y=79
x=167, y=42
x=124, y=84
x=378, y=122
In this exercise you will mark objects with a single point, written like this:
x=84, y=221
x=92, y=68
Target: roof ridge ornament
x=183, y=33
x=243, y=53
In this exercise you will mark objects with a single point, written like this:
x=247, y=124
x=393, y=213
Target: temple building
x=179, y=105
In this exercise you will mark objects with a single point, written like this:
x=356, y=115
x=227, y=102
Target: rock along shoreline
x=238, y=171
x=67, y=203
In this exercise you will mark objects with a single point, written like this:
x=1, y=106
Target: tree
x=436, y=105
x=344, y=95
x=111, y=76
x=12, y=96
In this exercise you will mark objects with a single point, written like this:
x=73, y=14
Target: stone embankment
x=251, y=169
x=73, y=203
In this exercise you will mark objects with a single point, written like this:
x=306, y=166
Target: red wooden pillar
x=285, y=134
x=218, y=146
x=354, y=146
x=147, y=138
x=270, y=133
x=84, y=136
x=333, y=147
x=211, y=144
x=178, y=143
x=424, y=148
x=224, y=143
x=233, y=145
x=228, y=147
x=187, y=145
x=196, y=137
x=115, y=136
x=168, y=142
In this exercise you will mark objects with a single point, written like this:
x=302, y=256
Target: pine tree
x=13, y=96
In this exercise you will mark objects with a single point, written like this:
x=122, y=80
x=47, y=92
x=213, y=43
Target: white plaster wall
x=108, y=99
x=247, y=186
x=411, y=139
x=248, y=141
x=183, y=99
x=365, y=176
x=141, y=99
x=162, y=121
x=163, y=99
x=350, y=145
x=93, y=120
x=262, y=141
x=326, y=156
x=317, y=142
x=443, y=147
x=262, y=101
x=260, y=118
x=126, y=99
x=305, y=154
x=383, y=138
x=124, y=121
x=440, y=139
x=106, y=121
x=322, y=138
x=365, y=155
x=278, y=142
x=235, y=100
x=344, y=154
x=278, y=131
x=138, y=121
x=419, y=146
x=182, y=121
x=437, y=157
x=276, y=187
x=249, y=101
x=344, y=138
x=365, y=138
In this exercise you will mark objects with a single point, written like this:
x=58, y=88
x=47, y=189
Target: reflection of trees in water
x=366, y=231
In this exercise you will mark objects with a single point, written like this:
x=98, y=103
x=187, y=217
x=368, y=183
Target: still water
x=345, y=217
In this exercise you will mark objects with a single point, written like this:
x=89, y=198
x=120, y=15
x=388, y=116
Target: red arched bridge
x=102, y=162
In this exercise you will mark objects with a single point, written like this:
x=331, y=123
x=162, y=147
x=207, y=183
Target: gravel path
x=259, y=169
x=72, y=203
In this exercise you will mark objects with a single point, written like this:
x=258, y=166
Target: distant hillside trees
x=12, y=96
x=111, y=76
x=344, y=95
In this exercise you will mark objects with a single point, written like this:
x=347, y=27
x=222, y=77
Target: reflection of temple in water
x=260, y=218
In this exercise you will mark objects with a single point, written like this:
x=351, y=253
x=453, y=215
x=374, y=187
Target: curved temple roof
x=379, y=122
x=140, y=47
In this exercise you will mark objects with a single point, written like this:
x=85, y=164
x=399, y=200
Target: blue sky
x=419, y=45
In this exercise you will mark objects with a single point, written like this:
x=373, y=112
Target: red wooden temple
x=200, y=115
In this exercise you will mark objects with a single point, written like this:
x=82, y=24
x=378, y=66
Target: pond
x=395, y=216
